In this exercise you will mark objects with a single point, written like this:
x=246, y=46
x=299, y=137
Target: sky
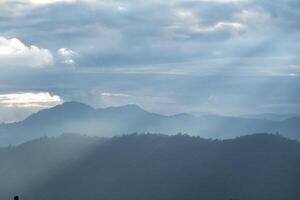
x=226, y=57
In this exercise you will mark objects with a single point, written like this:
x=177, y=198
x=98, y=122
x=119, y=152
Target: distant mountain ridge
x=152, y=166
x=272, y=116
x=75, y=117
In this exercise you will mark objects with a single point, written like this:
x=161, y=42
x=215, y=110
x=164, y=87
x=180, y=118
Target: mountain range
x=152, y=166
x=272, y=116
x=75, y=117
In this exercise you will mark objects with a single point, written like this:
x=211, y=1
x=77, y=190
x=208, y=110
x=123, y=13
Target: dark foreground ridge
x=152, y=167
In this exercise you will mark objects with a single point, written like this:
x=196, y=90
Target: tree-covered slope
x=260, y=167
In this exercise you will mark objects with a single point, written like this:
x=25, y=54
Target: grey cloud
x=138, y=35
x=165, y=55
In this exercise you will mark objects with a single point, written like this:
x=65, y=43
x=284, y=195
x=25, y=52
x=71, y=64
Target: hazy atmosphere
x=149, y=99
x=225, y=57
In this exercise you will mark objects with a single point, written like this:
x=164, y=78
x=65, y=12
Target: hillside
x=146, y=166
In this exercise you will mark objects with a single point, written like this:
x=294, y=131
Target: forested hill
x=152, y=167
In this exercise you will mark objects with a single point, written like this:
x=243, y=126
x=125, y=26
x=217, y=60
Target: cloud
x=14, y=53
x=108, y=94
x=256, y=19
x=188, y=24
x=67, y=56
x=233, y=27
x=29, y=99
x=104, y=36
x=47, y=1
x=181, y=57
x=34, y=2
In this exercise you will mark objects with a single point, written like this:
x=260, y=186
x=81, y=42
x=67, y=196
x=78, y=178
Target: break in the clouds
x=29, y=99
x=220, y=56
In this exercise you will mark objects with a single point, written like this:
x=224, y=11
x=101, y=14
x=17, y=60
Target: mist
x=149, y=100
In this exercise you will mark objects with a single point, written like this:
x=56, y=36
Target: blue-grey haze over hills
x=150, y=99
x=75, y=117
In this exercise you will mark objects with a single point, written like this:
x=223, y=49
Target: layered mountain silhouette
x=272, y=116
x=75, y=117
x=146, y=166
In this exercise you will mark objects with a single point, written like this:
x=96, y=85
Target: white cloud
x=228, y=25
x=29, y=99
x=48, y=1
x=107, y=94
x=14, y=53
x=115, y=99
x=220, y=26
x=42, y=2
x=185, y=30
x=186, y=23
x=67, y=55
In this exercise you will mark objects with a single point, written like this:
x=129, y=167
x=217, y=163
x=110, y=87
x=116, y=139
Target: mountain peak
x=63, y=111
x=132, y=106
x=74, y=104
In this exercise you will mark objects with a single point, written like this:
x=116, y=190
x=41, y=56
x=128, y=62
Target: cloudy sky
x=227, y=57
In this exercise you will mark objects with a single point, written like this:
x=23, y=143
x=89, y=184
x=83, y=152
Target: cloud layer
x=113, y=33
x=221, y=56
